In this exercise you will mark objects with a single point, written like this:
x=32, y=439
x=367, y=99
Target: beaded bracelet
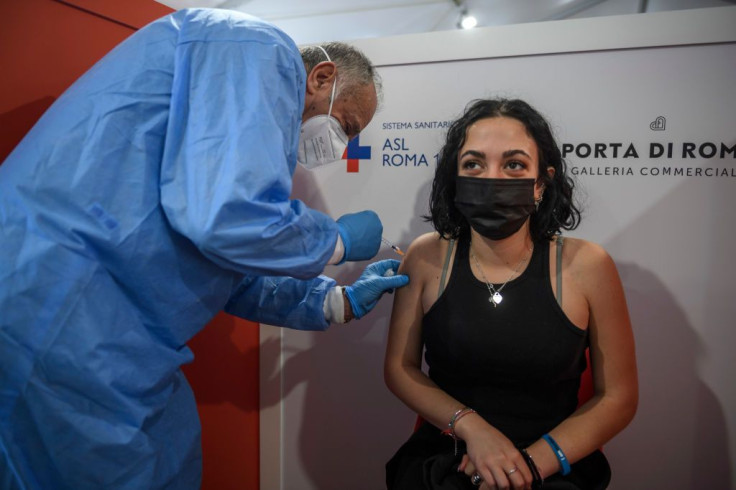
x=455, y=419
x=537, y=480
x=462, y=414
x=451, y=425
x=450, y=431
x=561, y=458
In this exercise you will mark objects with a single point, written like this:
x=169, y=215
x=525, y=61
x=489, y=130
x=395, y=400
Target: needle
x=394, y=247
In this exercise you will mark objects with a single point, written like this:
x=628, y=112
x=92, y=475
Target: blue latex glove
x=375, y=280
x=361, y=235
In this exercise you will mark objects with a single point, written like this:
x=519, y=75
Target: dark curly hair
x=556, y=211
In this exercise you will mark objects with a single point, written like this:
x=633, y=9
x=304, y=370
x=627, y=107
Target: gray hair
x=354, y=68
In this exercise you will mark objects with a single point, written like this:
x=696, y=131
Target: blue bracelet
x=564, y=464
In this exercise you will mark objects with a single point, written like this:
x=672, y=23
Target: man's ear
x=321, y=78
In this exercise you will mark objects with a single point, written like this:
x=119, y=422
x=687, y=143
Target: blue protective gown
x=152, y=194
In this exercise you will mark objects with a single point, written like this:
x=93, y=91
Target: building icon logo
x=658, y=124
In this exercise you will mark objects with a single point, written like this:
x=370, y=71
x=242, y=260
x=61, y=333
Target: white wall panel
x=329, y=421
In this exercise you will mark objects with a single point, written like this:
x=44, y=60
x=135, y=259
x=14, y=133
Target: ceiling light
x=465, y=20
x=468, y=21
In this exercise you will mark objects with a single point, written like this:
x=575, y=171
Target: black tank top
x=518, y=364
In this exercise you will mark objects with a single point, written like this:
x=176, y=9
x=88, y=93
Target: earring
x=538, y=200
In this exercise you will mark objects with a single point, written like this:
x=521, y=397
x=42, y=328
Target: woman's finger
x=516, y=478
x=464, y=463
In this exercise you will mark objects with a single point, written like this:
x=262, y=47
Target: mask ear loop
x=334, y=85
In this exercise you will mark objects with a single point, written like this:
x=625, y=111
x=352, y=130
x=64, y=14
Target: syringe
x=394, y=247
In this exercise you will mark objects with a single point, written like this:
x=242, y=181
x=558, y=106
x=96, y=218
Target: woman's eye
x=471, y=165
x=515, y=165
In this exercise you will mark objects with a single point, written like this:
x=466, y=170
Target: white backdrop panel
x=666, y=220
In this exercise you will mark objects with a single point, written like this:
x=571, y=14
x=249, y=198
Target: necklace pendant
x=496, y=298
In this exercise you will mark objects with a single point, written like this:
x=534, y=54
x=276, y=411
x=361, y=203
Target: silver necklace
x=496, y=297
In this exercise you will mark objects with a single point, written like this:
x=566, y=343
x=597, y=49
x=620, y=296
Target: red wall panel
x=224, y=376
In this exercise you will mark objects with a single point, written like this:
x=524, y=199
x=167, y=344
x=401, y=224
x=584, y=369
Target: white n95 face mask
x=322, y=140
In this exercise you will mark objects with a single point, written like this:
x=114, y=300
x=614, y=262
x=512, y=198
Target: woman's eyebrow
x=510, y=153
x=474, y=153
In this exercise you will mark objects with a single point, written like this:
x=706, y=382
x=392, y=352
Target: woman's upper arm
x=611, y=338
x=404, y=339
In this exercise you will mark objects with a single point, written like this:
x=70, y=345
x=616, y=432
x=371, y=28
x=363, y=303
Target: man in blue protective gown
x=152, y=195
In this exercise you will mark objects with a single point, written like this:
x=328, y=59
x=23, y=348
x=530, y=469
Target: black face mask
x=495, y=208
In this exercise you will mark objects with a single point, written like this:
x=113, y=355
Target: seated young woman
x=505, y=310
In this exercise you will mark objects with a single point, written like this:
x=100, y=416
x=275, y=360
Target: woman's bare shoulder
x=427, y=241
x=587, y=261
x=583, y=253
x=426, y=250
